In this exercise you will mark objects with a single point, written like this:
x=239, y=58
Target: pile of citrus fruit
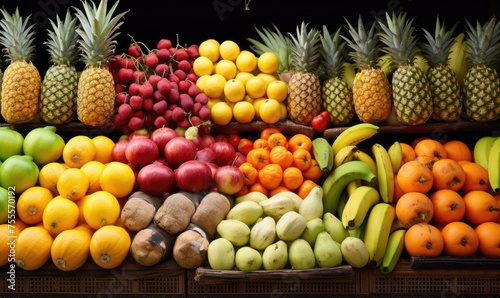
x=241, y=86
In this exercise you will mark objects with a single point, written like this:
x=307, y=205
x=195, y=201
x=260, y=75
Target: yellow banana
x=344, y=155
x=393, y=251
x=396, y=154
x=457, y=58
x=351, y=186
x=482, y=149
x=358, y=205
x=323, y=153
x=494, y=166
x=378, y=228
x=366, y=158
x=354, y=135
x=340, y=177
x=385, y=174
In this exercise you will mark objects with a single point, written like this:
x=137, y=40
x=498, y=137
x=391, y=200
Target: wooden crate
x=128, y=279
x=314, y=282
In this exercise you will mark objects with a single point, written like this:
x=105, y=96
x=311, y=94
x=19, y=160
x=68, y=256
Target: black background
x=191, y=22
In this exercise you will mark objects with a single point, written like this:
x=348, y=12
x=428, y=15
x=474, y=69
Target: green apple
x=11, y=143
x=44, y=145
x=18, y=172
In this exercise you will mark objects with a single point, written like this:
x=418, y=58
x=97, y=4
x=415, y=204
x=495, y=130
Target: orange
x=457, y=150
x=49, y=174
x=117, y=178
x=489, y=239
x=476, y=177
x=292, y=178
x=59, y=215
x=257, y=186
x=314, y=172
x=73, y=184
x=413, y=208
x=104, y=148
x=281, y=156
x=31, y=204
x=414, y=176
x=447, y=173
x=79, y=150
x=302, y=159
x=424, y=240
x=305, y=188
x=430, y=148
x=408, y=152
x=250, y=173
x=299, y=141
x=277, y=139
x=480, y=206
x=448, y=206
x=258, y=157
x=460, y=239
x=270, y=176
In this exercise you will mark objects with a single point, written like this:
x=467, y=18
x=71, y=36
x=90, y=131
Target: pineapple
x=21, y=83
x=335, y=91
x=411, y=91
x=371, y=88
x=96, y=90
x=304, y=97
x=59, y=86
x=445, y=88
x=481, y=83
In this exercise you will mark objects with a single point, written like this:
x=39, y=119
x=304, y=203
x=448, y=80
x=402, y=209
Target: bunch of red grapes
x=157, y=88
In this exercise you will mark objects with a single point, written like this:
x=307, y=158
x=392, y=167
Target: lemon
x=212, y=101
x=268, y=62
x=226, y=68
x=229, y=50
x=256, y=104
x=203, y=66
x=270, y=111
x=73, y=184
x=267, y=77
x=256, y=87
x=214, y=86
x=278, y=90
x=209, y=48
x=104, y=148
x=243, y=76
x=93, y=171
x=221, y=113
x=246, y=61
x=234, y=90
x=284, y=111
x=200, y=82
x=243, y=111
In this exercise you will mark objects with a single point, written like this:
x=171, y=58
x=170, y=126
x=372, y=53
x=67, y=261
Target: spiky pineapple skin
x=20, y=93
x=337, y=100
x=482, y=94
x=304, y=97
x=372, y=96
x=59, y=92
x=411, y=95
x=446, y=93
x=96, y=96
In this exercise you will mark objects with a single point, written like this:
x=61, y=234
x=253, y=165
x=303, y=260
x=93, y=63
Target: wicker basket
x=128, y=278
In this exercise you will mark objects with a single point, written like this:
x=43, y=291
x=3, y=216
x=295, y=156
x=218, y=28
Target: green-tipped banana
x=457, y=59
x=385, y=174
x=366, y=158
x=378, y=228
x=393, y=251
x=358, y=206
x=323, y=153
x=344, y=155
x=396, y=154
x=354, y=135
x=494, y=166
x=482, y=149
x=337, y=180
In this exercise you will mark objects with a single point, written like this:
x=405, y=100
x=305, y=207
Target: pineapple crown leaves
x=17, y=36
x=331, y=53
x=397, y=36
x=305, y=51
x=98, y=32
x=364, y=45
x=482, y=42
x=272, y=41
x=62, y=40
x=437, y=47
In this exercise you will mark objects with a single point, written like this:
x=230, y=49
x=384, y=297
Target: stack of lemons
x=241, y=86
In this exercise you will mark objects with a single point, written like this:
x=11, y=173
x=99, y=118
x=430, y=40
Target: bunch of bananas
x=487, y=154
x=359, y=189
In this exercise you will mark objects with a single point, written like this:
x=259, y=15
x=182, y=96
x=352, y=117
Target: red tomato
x=320, y=122
x=233, y=139
x=244, y=146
